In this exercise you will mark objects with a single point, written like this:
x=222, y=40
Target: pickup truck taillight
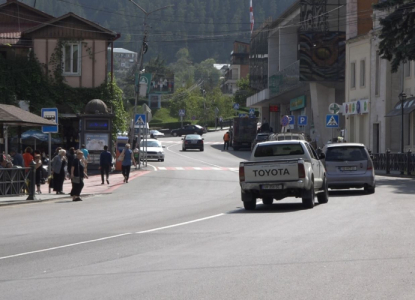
x=301, y=171
x=241, y=173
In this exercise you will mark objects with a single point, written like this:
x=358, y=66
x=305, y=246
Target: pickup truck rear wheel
x=267, y=200
x=323, y=197
x=249, y=201
x=308, y=197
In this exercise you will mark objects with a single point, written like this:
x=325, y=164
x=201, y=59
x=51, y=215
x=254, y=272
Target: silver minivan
x=348, y=165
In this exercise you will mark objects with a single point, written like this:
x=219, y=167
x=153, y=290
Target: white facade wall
x=358, y=53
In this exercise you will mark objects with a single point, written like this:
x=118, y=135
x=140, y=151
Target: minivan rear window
x=346, y=153
x=278, y=150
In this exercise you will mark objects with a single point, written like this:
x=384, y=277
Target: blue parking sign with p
x=302, y=120
x=291, y=120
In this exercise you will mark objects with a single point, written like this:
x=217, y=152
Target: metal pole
x=50, y=153
x=402, y=141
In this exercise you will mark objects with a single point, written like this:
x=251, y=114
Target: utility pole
x=142, y=51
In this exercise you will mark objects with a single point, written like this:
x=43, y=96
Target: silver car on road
x=348, y=165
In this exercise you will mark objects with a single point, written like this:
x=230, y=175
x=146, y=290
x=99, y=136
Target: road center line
x=180, y=224
x=109, y=237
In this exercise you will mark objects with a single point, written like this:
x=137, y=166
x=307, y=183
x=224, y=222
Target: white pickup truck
x=280, y=169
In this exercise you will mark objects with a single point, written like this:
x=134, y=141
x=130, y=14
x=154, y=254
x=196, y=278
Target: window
x=278, y=150
x=72, y=59
x=353, y=75
x=346, y=153
x=377, y=74
x=407, y=69
x=362, y=73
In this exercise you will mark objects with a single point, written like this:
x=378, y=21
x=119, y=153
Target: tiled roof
x=13, y=115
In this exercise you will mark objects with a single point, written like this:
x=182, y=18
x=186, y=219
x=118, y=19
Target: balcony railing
x=285, y=80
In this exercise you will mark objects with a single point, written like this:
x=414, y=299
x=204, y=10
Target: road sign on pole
x=252, y=111
x=235, y=106
x=302, y=120
x=285, y=120
x=182, y=112
x=139, y=119
x=332, y=121
x=50, y=114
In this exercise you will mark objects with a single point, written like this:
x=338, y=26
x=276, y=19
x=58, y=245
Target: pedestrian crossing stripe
x=196, y=169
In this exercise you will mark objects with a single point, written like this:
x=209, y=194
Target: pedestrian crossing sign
x=332, y=121
x=139, y=119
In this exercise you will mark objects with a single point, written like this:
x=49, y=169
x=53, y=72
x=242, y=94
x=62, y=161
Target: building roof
x=15, y=116
x=220, y=66
x=122, y=50
x=71, y=14
x=21, y=4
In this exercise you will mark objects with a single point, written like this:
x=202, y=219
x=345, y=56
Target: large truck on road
x=244, y=132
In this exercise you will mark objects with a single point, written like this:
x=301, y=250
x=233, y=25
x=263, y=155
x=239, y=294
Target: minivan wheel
x=370, y=189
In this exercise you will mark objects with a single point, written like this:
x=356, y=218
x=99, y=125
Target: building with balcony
x=238, y=68
x=297, y=66
x=124, y=59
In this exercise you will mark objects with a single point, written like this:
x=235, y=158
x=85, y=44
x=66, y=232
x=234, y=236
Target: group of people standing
x=75, y=162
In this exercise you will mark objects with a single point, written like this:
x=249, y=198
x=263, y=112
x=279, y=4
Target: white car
x=155, y=134
x=153, y=148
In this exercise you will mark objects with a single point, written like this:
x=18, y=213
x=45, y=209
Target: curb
x=44, y=200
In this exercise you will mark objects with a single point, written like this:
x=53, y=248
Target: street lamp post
x=402, y=98
x=143, y=50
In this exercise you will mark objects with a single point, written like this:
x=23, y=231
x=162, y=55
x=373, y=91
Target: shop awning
x=408, y=107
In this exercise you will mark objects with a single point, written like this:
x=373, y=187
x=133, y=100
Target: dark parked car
x=260, y=137
x=188, y=129
x=192, y=141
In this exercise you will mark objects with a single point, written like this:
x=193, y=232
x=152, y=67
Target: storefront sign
x=356, y=107
x=297, y=103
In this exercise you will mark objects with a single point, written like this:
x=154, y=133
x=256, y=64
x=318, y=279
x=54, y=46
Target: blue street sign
x=252, y=111
x=291, y=120
x=182, y=112
x=50, y=114
x=236, y=106
x=332, y=121
x=242, y=115
x=302, y=120
x=139, y=119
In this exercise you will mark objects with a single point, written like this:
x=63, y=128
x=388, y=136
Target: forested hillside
x=206, y=27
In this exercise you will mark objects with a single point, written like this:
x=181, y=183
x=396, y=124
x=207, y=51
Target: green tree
x=244, y=91
x=397, y=36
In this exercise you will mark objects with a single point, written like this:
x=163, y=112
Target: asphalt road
x=180, y=233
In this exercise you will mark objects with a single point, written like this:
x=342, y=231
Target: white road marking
x=66, y=246
x=179, y=168
x=155, y=168
x=162, y=168
x=180, y=224
x=197, y=168
x=109, y=237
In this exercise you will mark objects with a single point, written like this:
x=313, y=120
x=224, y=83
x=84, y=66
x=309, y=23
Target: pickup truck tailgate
x=274, y=171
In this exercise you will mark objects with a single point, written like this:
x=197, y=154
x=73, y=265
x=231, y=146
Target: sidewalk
x=92, y=186
x=393, y=174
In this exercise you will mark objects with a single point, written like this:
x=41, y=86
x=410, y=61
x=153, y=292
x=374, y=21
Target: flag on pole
x=251, y=15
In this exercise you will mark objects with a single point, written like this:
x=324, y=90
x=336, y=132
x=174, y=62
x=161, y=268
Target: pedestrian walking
x=27, y=157
x=86, y=155
x=226, y=139
x=77, y=176
x=105, y=162
x=58, y=167
x=39, y=173
x=17, y=158
x=70, y=156
x=127, y=162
